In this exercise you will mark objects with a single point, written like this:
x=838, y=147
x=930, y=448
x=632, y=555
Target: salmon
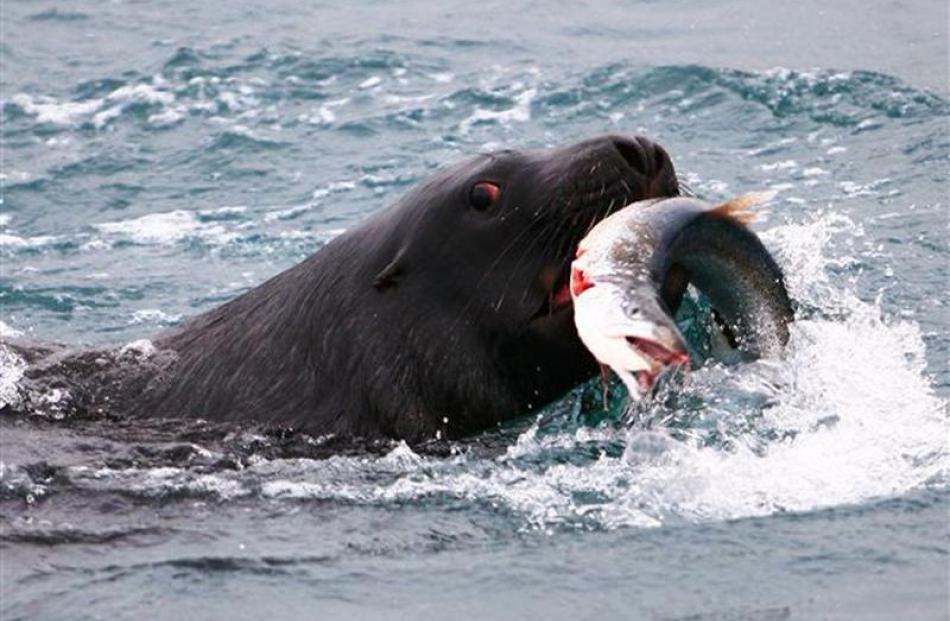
x=631, y=270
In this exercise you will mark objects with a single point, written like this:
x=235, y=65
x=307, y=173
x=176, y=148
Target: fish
x=630, y=273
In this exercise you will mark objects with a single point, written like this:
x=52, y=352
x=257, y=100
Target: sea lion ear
x=389, y=276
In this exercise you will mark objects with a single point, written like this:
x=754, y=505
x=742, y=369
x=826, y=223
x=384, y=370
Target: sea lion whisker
x=508, y=248
x=684, y=188
x=628, y=192
x=540, y=237
x=538, y=217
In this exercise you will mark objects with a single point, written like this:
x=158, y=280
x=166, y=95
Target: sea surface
x=160, y=158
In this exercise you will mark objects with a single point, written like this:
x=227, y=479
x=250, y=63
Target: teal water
x=161, y=158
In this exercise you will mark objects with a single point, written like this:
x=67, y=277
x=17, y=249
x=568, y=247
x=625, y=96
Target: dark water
x=161, y=158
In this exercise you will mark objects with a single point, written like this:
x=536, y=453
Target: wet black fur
x=429, y=317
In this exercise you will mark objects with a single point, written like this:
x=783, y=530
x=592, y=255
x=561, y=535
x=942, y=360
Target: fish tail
x=739, y=209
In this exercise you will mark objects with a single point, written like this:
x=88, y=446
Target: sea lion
x=441, y=315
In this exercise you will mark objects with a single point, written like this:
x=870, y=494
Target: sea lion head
x=485, y=247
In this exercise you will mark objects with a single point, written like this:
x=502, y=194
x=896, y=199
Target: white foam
x=50, y=110
x=883, y=437
x=141, y=347
x=153, y=482
x=142, y=93
x=153, y=315
x=867, y=124
x=773, y=146
x=102, y=118
x=94, y=245
x=807, y=77
x=166, y=118
x=852, y=188
x=402, y=456
x=323, y=116
x=166, y=228
x=12, y=368
x=8, y=331
x=782, y=165
x=334, y=187
x=98, y=111
x=520, y=112
x=371, y=82
x=716, y=186
x=59, y=141
x=8, y=241
x=443, y=77
x=287, y=213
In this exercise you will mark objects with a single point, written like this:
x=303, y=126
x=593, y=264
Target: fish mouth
x=660, y=354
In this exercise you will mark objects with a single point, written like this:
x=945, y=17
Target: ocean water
x=161, y=158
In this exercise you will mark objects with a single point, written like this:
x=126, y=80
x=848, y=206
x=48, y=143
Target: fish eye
x=484, y=194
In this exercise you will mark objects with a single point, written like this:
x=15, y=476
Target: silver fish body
x=631, y=270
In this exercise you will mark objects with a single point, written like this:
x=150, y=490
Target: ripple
x=56, y=15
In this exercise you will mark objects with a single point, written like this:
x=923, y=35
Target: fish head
x=627, y=329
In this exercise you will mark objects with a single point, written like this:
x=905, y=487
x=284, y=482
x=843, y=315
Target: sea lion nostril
x=651, y=162
x=660, y=159
x=633, y=153
x=664, y=181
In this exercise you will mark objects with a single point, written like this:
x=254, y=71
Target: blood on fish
x=579, y=282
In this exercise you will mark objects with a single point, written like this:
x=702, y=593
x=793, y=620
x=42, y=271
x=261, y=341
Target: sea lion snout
x=649, y=160
x=645, y=157
x=632, y=167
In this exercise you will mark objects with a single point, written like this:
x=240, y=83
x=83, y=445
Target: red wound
x=579, y=282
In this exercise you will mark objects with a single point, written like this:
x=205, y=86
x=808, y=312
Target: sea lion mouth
x=555, y=278
x=556, y=282
x=616, y=172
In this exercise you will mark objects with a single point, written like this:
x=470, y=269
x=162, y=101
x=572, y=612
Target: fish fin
x=739, y=209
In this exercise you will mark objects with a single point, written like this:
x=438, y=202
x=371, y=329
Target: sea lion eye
x=484, y=194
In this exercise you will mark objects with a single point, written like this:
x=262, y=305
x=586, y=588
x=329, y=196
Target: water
x=161, y=158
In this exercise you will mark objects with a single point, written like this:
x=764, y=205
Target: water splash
x=849, y=415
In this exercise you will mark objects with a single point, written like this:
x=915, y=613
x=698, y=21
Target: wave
x=195, y=84
x=850, y=415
